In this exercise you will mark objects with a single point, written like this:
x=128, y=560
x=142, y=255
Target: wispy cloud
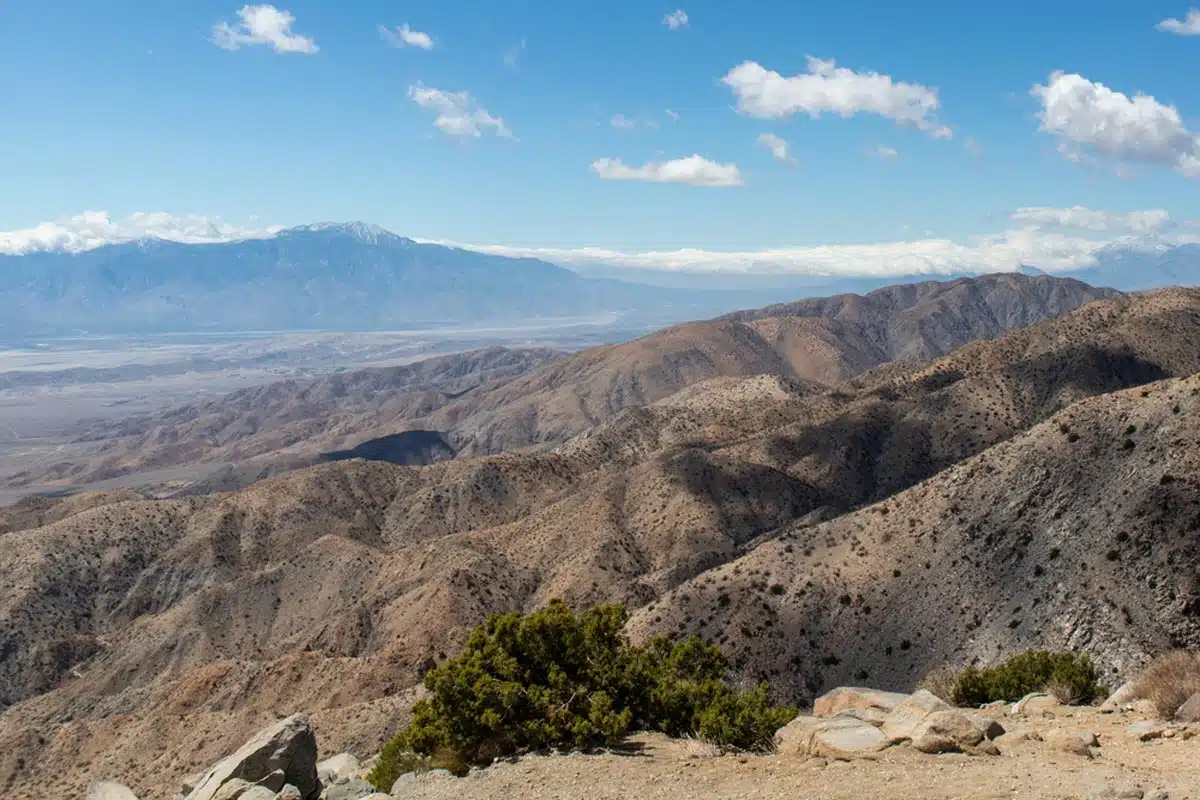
x=674, y=117
x=458, y=115
x=1188, y=26
x=778, y=147
x=676, y=19
x=1080, y=218
x=262, y=25
x=404, y=36
x=828, y=88
x=512, y=56
x=693, y=170
x=885, y=153
x=622, y=122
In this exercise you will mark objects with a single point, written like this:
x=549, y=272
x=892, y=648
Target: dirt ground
x=657, y=767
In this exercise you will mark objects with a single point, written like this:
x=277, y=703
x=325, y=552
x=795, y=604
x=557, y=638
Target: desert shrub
x=554, y=678
x=1035, y=671
x=1169, y=681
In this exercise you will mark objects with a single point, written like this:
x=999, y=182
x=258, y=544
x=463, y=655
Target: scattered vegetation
x=1038, y=671
x=1169, y=681
x=556, y=679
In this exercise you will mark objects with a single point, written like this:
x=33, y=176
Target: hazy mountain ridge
x=820, y=341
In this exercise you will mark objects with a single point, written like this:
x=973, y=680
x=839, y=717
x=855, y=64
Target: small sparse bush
x=1026, y=673
x=1064, y=692
x=1169, y=681
x=555, y=679
x=695, y=747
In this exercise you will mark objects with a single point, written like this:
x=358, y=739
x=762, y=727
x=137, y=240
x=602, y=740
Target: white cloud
x=778, y=147
x=674, y=117
x=828, y=88
x=1089, y=118
x=1086, y=219
x=266, y=25
x=459, y=116
x=622, y=122
x=1035, y=239
x=692, y=170
x=676, y=19
x=404, y=36
x=973, y=147
x=885, y=153
x=1188, y=26
x=93, y=229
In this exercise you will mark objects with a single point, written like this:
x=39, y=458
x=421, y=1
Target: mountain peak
x=363, y=231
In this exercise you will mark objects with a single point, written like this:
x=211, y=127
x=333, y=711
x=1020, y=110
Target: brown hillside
x=328, y=588
x=296, y=419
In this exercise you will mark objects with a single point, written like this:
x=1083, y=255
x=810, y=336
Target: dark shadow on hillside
x=409, y=448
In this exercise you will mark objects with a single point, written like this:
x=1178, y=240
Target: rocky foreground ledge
x=855, y=743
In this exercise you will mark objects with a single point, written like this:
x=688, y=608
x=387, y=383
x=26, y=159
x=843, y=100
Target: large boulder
x=792, y=739
x=903, y=721
x=1035, y=703
x=107, y=790
x=287, y=747
x=954, y=732
x=846, y=697
x=842, y=737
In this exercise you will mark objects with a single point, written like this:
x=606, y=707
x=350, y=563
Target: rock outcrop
x=284, y=754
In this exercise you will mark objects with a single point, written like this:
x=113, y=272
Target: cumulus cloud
x=693, y=170
x=1188, y=26
x=1034, y=239
x=262, y=25
x=93, y=229
x=458, y=115
x=404, y=36
x=1089, y=118
x=676, y=19
x=778, y=147
x=622, y=122
x=674, y=117
x=828, y=88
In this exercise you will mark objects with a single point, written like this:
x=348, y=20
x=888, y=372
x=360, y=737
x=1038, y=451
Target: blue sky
x=132, y=106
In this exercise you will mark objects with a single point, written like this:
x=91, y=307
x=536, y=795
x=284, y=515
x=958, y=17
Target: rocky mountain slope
x=329, y=589
x=820, y=341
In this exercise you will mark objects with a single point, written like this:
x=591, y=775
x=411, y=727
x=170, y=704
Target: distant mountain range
x=331, y=277
x=355, y=276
